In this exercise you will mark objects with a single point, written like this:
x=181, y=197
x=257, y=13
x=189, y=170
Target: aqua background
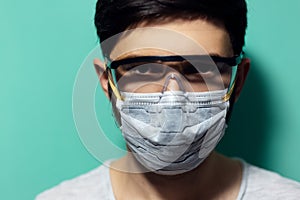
x=42, y=45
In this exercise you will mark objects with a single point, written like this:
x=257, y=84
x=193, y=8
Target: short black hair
x=115, y=16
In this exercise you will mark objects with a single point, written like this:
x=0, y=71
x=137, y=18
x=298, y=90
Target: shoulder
x=91, y=185
x=264, y=184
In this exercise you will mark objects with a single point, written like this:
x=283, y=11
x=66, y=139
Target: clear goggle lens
x=158, y=74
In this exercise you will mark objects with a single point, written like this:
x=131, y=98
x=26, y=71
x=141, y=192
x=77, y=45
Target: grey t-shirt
x=257, y=184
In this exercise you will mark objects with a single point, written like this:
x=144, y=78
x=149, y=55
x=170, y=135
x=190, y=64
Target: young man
x=173, y=71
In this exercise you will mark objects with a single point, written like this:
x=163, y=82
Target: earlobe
x=102, y=75
x=242, y=73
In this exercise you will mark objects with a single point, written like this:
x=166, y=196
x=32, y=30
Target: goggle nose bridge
x=175, y=77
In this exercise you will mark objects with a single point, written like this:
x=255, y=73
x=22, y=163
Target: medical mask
x=172, y=132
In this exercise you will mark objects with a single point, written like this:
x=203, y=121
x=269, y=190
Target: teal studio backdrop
x=42, y=45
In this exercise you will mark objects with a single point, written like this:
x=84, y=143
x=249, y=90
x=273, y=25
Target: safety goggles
x=194, y=73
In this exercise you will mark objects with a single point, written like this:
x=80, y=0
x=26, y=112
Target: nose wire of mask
x=173, y=77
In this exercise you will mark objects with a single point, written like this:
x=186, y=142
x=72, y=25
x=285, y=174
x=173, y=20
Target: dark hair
x=115, y=16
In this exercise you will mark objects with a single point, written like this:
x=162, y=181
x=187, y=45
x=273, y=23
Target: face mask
x=171, y=133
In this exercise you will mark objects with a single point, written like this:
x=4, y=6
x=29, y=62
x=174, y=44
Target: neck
x=182, y=186
x=208, y=181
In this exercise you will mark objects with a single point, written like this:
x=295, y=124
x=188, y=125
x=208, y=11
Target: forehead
x=179, y=37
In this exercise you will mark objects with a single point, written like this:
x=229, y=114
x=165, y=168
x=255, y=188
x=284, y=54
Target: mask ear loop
x=232, y=83
x=113, y=86
x=229, y=93
x=231, y=88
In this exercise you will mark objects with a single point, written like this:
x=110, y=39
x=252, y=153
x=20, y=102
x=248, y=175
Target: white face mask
x=172, y=132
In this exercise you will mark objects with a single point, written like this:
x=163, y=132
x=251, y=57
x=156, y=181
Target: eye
x=133, y=68
x=188, y=70
x=142, y=69
x=206, y=69
x=148, y=69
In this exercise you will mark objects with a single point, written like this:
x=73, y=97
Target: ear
x=102, y=75
x=242, y=73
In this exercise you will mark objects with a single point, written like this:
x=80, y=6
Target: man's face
x=152, y=59
x=177, y=37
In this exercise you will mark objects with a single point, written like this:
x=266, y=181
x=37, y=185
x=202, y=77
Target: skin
x=218, y=177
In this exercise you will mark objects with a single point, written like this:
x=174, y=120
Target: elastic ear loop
x=232, y=84
x=113, y=87
x=229, y=93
